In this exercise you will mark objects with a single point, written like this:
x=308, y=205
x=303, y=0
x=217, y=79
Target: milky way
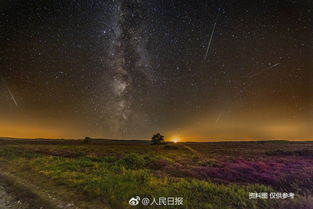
x=128, y=60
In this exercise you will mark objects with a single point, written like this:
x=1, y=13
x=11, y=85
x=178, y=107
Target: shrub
x=87, y=140
x=157, y=139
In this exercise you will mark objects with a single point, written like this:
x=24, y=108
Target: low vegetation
x=112, y=173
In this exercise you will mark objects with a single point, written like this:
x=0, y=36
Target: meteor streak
x=10, y=92
x=211, y=36
x=263, y=70
x=12, y=97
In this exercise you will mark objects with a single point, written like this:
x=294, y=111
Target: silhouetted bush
x=87, y=140
x=157, y=139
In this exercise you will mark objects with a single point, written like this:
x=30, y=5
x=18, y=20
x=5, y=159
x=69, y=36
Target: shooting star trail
x=12, y=96
x=211, y=36
x=10, y=92
x=263, y=70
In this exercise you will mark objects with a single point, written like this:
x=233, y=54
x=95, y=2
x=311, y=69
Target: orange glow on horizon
x=175, y=139
x=28, y=128
x=198, y=130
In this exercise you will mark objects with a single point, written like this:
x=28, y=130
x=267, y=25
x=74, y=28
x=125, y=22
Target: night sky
x=199, y=70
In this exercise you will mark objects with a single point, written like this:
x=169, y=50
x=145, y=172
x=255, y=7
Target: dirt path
x=16, y=193
x=199, y=154
x=7, y=201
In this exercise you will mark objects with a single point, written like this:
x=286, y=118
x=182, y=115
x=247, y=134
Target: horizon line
x=145, y=139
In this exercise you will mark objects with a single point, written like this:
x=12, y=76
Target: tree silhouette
x=157, y=139
x=87, y=140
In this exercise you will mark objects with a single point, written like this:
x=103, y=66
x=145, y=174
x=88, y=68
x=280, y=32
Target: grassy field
x=107, y=173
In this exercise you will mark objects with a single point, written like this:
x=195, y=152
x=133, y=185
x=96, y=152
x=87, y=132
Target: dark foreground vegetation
x=107, y=173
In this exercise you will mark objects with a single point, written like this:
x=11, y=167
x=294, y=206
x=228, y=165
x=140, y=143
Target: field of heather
x=107, y=173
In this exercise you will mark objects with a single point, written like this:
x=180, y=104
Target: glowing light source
x=175, y=139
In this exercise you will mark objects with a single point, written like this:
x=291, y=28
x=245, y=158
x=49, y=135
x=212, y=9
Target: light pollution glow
x=205, y=129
